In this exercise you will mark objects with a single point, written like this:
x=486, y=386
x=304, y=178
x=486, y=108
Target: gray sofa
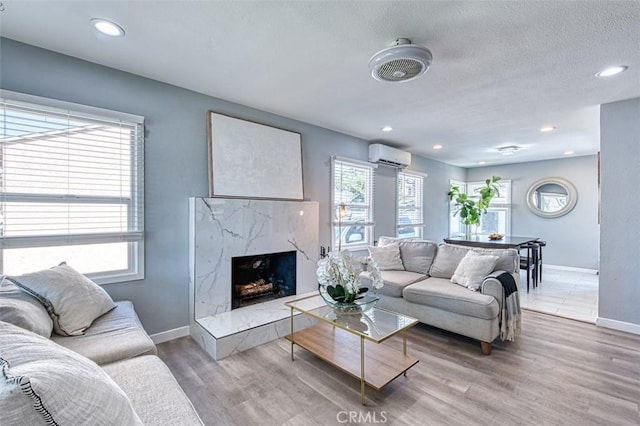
x=423, y=288
x=115, y=341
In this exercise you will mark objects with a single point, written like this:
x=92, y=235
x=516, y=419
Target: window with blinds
x=410, y=219
x=71, y=188
x=352, y=203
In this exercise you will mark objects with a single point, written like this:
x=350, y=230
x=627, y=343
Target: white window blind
x=410, y=211
x=352, y=203
x=70, y=177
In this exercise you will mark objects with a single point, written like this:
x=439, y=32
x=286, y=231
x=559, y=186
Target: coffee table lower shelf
x=382, y=362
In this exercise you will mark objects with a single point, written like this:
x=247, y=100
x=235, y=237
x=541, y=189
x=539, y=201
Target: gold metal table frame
x=334, y=336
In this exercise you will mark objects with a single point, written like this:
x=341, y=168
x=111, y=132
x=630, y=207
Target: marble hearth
x=220, y=229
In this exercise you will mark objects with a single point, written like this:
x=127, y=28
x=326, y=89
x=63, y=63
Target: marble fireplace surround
x=222, y=228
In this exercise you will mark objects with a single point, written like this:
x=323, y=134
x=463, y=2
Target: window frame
x=339, y=225
x=133, y=236
x=420, y=201
x=498, y=204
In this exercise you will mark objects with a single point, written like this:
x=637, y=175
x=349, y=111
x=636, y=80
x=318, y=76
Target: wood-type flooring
x=558, y=372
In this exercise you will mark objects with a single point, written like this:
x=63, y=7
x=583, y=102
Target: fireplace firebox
x=263, y=277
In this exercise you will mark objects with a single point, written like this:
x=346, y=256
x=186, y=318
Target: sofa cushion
x=473, y=268
x=508, y=259
x=394, y=281
x=387, y=257
x=155, y=394
x=443, y=294
x=44, y=383
x=417, y=255
x=448, y=256
x=114, y=336
x=72, y=300
x=21, y=309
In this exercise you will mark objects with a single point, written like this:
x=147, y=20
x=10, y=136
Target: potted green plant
x=471, y=210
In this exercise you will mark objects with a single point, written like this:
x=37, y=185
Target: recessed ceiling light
x=482, y=162
x=570, y=152
x=107, y=27
x=437, y=146
x=548, y=129
x=387, y=128
x=611, y=71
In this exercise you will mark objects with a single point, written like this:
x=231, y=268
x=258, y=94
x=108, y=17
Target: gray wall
x=573, y=239
x=619, y=298
x=176, y=164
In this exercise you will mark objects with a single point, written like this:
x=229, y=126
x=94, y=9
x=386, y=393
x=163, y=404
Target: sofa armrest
x=493, y=287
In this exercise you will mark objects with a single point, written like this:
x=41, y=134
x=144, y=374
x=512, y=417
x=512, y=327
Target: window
x=410, y=221
x=456, y=227
x=352, y=203
x=71, y=188
x=498, y=216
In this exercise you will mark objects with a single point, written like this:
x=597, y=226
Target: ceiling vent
x=508, y=150
x=401, y=62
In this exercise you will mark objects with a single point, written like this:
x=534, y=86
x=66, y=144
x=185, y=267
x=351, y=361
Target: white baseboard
x=570, y=268
x=627, y=327
x=165, y=336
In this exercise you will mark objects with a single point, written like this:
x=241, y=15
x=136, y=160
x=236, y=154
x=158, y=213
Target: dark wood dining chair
x=530, y=263
x=540, y=244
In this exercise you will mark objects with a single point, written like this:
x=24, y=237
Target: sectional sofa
x=104, y=372
x=420, y=280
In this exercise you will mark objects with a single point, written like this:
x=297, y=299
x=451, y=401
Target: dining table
x=483, y=240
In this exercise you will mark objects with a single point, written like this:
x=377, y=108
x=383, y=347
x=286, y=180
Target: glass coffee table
x=335, y=337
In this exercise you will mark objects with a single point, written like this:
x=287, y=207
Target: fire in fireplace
x=263, y=277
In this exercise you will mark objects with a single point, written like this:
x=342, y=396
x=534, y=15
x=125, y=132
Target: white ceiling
x=501, y=70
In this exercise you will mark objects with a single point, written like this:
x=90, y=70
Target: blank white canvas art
x=251, y=160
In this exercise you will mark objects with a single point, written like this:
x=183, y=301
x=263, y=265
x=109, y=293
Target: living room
x=108, y=75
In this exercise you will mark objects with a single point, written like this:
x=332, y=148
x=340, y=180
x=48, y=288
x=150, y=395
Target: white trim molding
x=572, y=269
x=165, y=336
x=627, y=327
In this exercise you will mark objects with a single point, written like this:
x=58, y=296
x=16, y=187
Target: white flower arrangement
x=340, y=274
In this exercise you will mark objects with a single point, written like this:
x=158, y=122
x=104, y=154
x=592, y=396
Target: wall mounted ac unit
x=389, y=156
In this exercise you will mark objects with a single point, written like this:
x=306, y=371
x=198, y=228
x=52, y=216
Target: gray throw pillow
x=72, y=300
x=42, y=382
x=21, y=309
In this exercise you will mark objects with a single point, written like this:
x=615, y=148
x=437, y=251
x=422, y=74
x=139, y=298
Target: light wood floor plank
x=559, y=371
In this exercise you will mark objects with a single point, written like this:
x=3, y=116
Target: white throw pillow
x=21, y=309
x=388, y=257
x=72, y=300
x=473, y=268
x=42, y=382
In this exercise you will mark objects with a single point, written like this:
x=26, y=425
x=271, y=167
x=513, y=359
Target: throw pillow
x=42, y=382
x=72, y=300
x=388, y=257
x=473, y=268
x=19, y=308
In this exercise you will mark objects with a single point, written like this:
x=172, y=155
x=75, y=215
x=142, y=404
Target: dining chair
x=530, y=263
x=540, y=244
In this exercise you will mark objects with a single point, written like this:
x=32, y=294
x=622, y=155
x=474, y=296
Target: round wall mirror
x=552, y=197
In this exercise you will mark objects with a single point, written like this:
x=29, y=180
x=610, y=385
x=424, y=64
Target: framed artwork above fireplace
x=253, y=160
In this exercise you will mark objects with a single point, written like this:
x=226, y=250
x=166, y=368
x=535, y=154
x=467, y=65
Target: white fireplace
x=222, y=229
